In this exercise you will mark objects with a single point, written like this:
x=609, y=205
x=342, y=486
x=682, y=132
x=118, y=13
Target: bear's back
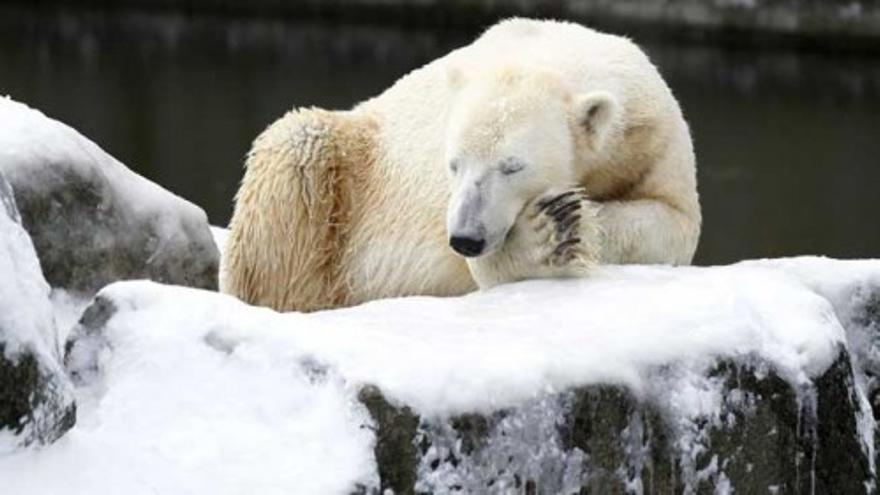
x=587, y=58
x=412, y=113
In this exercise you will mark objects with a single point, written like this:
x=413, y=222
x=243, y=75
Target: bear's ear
x=596, y=114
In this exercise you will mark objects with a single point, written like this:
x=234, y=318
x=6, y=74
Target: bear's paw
x=565, y=223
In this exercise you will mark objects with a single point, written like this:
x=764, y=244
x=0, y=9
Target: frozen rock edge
x=755, y=377
x=36, y=397
x=602, y=439
x=91, y=219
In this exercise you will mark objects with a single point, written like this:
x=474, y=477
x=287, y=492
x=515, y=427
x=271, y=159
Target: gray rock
x=397, y=456
x=767, y=435
x=36, y=398
x=86, y=341
x=92, y=220
x=36, y=401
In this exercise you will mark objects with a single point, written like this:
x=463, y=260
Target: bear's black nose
x=467, y=246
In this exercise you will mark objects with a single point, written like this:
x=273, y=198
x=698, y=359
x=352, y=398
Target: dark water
x=788, y=144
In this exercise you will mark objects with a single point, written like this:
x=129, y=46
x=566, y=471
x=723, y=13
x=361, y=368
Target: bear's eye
x=453, y=166
x=510, y=166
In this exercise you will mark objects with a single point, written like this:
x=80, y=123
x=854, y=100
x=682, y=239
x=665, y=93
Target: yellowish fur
x=306, y=178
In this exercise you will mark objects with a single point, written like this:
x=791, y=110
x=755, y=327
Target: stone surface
x=36, y=398
x=36, y=402
x=766, y=435
x=91, y=219
x=86, y=341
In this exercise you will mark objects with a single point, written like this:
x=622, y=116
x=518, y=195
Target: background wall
x=814, y=23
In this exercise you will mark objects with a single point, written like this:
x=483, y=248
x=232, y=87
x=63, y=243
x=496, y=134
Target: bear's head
x=512, y=135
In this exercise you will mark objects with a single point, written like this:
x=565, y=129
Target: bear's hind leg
x=293, y=211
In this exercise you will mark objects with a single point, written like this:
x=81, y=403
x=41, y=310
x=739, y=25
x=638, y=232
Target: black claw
x=549, y=203
x=566, y=224
x=561, y=212
x=562, y=246
x=553, y=210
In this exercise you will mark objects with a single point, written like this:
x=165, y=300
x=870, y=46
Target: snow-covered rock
x=36, y=398
x=220, y=234
x=92, y=220
x=756, y=434
x=754, y=377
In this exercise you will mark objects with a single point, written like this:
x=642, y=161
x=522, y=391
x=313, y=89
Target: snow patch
x=220, y=234
x=26, y=315
x=67, y=307
x=524, y=443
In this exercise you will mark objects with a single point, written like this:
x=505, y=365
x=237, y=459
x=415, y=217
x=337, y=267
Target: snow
x=532, y=429
x=220, y=235
x=496, y=348
x=178, y=416
x=849, y=286
x=25, y=311
x=67, y=307
x=26, y=319
x=197, y=392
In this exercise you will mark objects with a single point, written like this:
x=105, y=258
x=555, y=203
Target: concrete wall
x=844, y=23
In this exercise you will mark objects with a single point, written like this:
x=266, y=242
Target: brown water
x=788, y=144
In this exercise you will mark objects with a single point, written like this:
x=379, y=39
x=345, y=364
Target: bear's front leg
x=556, y=235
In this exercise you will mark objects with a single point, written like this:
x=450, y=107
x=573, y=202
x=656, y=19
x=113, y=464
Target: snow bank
x=492, y=349
x=177, y=412
x=188, y=391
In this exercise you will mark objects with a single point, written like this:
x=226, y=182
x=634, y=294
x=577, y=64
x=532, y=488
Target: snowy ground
x=199, y=393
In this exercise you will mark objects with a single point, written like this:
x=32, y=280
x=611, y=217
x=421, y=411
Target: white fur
x=455, y=109
x=528, y=110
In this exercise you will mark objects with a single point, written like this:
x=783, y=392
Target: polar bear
x=542, y=149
